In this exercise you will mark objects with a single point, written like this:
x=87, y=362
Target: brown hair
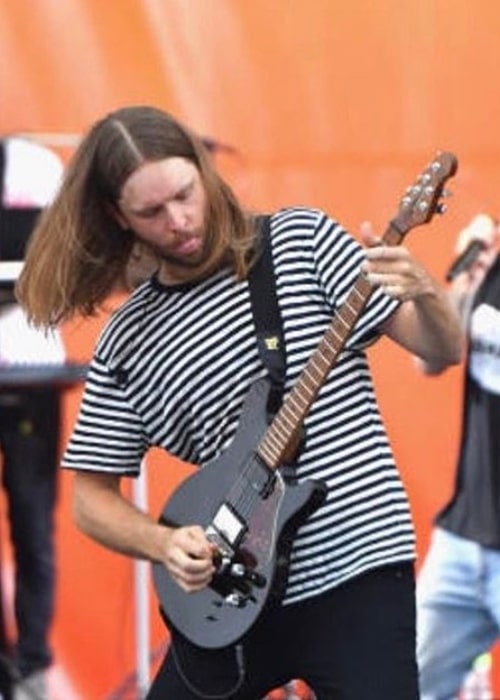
x=78, y=254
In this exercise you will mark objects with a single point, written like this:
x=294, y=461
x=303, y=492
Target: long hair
x=78, y=253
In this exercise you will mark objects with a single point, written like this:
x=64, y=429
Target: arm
x=105, y=515
x=426, y=323
x=465, y=285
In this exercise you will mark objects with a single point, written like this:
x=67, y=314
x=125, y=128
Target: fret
x=306, y=385
x=270, y=453
x=352, y=308
x=314, y=365
x=330, y=348
x=289, y=407
x=280, y=432
x=284, y=419
x=340, y=319
x=324, y=359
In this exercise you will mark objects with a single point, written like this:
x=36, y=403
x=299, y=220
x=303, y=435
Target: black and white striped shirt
x=174, y=364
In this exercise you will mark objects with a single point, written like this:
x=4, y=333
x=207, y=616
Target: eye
x=150, y=213
x=184, y=194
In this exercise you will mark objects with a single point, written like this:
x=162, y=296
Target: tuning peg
x=446, y=193
x=441, y=208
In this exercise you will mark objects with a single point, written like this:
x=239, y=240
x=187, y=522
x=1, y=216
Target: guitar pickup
x=226, y=530
x=261, y=478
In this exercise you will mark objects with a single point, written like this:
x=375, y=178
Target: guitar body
x=252, y=513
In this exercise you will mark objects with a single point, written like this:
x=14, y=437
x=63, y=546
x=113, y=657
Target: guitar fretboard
x=287, y=423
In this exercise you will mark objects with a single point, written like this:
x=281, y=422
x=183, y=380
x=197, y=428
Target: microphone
x=466, y=259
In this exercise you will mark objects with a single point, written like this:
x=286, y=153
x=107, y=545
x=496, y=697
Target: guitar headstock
x=423, y=199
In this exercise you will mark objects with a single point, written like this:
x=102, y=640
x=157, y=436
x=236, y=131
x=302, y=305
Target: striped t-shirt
x=174, y=364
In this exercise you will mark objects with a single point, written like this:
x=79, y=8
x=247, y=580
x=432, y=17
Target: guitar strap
x=266, y=314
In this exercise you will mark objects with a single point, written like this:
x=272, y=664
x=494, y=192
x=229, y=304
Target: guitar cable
x=240, y=664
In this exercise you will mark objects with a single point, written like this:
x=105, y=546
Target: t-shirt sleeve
x=108, y=435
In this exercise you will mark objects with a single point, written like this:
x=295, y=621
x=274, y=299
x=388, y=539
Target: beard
x=187, y=261
x=187, y=267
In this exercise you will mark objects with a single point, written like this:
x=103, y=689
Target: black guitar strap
x=266, y=314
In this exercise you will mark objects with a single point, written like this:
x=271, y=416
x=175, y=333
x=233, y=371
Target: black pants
x=356, y=642
x=29, y=440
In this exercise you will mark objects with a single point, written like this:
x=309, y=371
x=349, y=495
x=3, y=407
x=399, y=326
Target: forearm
x=102, y=513
x=464, y=286
x=106, y=516
x=429, y=327
x=460, y=297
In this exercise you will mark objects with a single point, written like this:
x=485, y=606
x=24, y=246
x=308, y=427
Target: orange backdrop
x=327, y=103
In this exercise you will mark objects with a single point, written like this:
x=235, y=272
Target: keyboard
x=39, y=375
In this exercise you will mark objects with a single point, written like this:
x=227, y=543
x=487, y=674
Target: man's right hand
x=189, y=557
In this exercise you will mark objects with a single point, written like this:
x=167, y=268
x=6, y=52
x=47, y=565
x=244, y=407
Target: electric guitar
x=247, y=499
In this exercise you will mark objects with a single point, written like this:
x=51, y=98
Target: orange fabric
x=327, y=103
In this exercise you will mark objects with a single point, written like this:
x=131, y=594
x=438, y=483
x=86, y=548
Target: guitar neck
x=417, y=207
x=285, y=429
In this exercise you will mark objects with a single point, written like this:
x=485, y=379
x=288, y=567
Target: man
x=173, y=368
x=459, y=585
x=29, y=419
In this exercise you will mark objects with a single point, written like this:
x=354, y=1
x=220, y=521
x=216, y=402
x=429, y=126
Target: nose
x=176, y=218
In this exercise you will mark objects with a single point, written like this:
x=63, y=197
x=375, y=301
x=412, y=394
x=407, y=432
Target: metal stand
x=6, y=670
x=141, y=581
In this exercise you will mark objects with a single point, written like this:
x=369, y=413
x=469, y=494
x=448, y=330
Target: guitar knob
x=221, y=563
x=235, y=600
x=257, y=579
x=238, y=570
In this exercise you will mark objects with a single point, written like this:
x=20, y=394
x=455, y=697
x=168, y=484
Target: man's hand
x=393, y=269
x=189, y=557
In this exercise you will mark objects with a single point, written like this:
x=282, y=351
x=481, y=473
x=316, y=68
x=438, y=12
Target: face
x=482, y=228
x=163, y=202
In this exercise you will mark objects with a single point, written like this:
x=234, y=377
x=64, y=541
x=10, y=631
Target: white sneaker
x=33, y=687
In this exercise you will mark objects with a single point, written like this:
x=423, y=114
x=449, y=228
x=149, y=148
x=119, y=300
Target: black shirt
x=474, y=510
